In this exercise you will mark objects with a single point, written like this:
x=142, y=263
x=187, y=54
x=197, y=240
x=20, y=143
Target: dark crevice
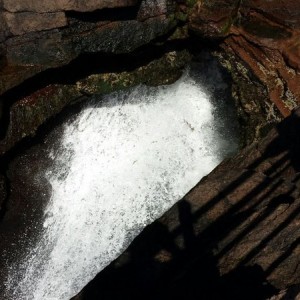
x=106, y=14
x=236, y=11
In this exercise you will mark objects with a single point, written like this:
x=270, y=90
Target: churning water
x=123, y=161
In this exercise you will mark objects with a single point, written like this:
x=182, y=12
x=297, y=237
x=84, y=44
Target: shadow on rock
x=234, y=236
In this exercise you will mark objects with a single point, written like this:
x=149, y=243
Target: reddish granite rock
x=263, y=36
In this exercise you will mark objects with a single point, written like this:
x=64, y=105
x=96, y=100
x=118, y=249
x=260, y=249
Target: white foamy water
x=122, y=163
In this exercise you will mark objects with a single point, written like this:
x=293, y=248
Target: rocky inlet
x=235, y=234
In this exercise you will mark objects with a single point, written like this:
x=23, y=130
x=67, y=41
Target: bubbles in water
x=122, y=162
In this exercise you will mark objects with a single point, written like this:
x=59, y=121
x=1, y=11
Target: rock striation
x=260, y=45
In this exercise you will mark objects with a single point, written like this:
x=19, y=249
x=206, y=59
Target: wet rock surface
x=234, y=236
x=28, y=194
